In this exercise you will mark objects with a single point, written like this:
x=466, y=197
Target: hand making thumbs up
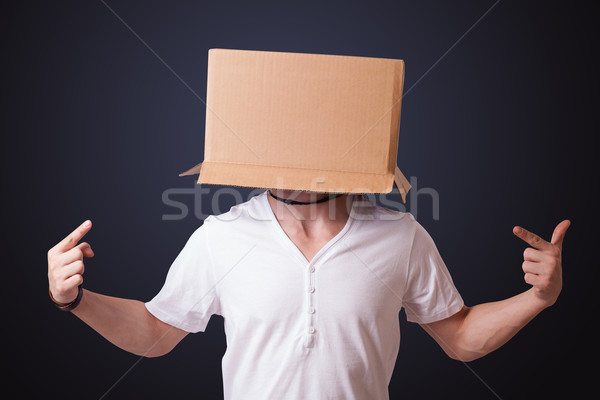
x=542, y=262
x=65, y=265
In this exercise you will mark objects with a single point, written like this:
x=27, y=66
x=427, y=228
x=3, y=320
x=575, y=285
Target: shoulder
x=241, y=219
x=368, y=214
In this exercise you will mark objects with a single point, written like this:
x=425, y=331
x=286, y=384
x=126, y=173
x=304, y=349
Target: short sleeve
x=188, y=297
x=430, y=294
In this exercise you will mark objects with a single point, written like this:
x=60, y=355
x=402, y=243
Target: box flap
x=312, y=180
x=192, y=171
x=401, y=183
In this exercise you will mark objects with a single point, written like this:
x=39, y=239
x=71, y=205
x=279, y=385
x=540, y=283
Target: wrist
x=67, y=306
x=538, y=300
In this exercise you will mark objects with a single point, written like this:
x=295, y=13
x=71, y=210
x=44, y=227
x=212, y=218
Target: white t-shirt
x=325, y=329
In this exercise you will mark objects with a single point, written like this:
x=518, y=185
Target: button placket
x=310, y=330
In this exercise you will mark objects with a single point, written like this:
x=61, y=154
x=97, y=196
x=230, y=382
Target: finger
x=75, y=268
x=531, y=238
x=86, y=249
x=73, y=281
x=559, y=233
x=533, y=279
x=70, y=241
x=530, y=267
x=66, y=290
x=531, y=254
x=67, y=258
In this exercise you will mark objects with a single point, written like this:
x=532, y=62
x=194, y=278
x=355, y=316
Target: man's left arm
x=476, y=331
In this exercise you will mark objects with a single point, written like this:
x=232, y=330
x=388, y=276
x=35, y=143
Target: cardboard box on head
x=323, y=123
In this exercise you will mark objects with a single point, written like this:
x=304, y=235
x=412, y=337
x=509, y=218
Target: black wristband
x=68, y=306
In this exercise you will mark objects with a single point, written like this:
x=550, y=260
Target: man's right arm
x=125, y=323
x=128, y=324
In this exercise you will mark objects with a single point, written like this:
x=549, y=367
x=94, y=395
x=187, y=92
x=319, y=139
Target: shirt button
x=311, y=289
x=312, y=269
x=311, y=330
x=311, y=310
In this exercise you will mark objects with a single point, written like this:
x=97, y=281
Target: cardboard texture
x=315, y=122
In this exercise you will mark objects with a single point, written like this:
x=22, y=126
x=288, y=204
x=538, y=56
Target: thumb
x=86, y=249
x=559, y=233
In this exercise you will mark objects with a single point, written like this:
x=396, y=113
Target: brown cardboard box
x=323, y=123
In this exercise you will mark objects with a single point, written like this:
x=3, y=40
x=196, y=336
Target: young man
x=310, y=286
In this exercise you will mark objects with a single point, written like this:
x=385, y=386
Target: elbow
x=152, y=352
x=151, y=346
x=158, y=346
x=465, y=355
x=467, y=344
x=468, y=349
x=160, y=338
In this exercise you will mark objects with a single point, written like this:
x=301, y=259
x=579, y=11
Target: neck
x=292, y=198
x=307, y=217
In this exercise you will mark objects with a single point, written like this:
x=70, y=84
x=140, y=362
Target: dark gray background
x=96, y=126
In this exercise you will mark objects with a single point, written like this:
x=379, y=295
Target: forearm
x=125, y=323
x=479, y=330
x=486, y=327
